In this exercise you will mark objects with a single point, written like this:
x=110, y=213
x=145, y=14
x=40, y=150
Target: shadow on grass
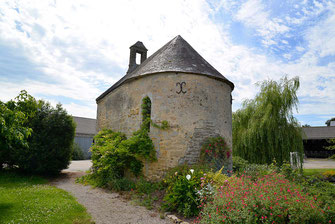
x=4, y=209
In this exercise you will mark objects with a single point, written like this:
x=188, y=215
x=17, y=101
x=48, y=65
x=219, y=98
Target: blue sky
x=71, y=51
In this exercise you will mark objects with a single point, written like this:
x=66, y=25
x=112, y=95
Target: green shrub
x=182, y=184
x=122, y=184
x=329, y=174
x=147, y=187
x=270, y=199
x=77, y=153
x=239, y=163
x=324, y=192
x=255, y=171
x=49, y=147
x=216, y=153
x=332, y=157
x=217, y=179
x=51, y=143
x=113, y=155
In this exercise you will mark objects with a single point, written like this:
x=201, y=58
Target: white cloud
x=253, y=14
x=82, y=46
x=298, y=48
x=321, y=38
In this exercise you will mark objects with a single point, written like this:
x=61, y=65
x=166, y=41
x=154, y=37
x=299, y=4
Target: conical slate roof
x=175, y=56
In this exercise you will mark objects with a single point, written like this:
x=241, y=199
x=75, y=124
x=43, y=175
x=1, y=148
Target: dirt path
x=106, y=207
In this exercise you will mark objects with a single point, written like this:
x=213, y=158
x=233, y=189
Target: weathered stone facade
x=197, y=109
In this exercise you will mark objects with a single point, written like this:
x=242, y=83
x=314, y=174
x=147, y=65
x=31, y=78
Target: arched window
x=146, y=111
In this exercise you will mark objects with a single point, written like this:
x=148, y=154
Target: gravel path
x=106, y=207
x=319, y=164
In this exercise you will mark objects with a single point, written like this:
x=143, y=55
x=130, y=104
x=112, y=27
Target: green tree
x=13, y=133
x=265, y=128
x=332, y=144
x=36, y=137
x=328, y=121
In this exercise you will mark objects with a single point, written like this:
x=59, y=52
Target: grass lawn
x=309, y=172
x=31, y=200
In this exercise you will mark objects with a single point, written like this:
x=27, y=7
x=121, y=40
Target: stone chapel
x=184, y=90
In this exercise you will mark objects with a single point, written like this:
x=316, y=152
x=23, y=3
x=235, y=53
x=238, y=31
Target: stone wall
x=200, y=110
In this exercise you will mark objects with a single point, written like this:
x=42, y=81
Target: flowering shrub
x=209, y=183
x=271, y=199
x=215, y=152
x=181, y=190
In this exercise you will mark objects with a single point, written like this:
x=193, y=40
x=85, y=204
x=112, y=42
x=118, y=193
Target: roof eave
x=116, y=85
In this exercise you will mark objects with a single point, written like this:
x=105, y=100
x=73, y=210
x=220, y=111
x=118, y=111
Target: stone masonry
x=196, y=106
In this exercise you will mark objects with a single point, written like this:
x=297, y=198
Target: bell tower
x=135, y=50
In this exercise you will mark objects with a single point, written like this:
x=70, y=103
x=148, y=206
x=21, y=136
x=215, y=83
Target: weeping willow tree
x=265, y=128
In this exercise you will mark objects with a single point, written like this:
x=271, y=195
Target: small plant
x=239, y=163
x=332, y=157
x=145, y=193
x=329, y=175
x=255, y=171
x=218, y=179
x=77, y=153
x=181, y=193
x=216, y=153
x=122, y=184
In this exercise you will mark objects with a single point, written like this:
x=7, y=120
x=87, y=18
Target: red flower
x=228, y=154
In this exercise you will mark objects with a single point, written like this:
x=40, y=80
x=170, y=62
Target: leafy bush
x=51, y=143
x=77, y=153
x=181, y=193
x=217, y=179
x=329, y=175
x=332, y=157
x=239, y=163
x=270, y=199
x=122, y=184
x=49, y=147
x=216, y=153
x=255, y=171
x=113, y=155
x=324, y=192
x=146, y=187
x=13, y=133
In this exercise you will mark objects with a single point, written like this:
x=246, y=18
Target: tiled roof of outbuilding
x=323, y=132
x=175, y=56
x=86, y=126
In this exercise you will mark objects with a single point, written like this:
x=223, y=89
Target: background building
x=316, y=139
x=85, y=131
